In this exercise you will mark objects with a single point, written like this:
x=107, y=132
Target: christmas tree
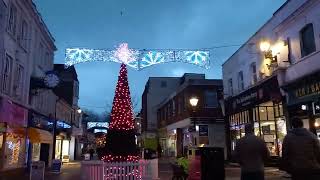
x=120, y=142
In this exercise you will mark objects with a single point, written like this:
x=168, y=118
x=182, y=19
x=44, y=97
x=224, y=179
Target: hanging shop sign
x=203, y=130
x=40, y=121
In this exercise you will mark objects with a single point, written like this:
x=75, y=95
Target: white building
x=26, y=50
x=256, y=82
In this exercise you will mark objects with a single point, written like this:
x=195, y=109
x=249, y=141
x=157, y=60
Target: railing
x=99, y=170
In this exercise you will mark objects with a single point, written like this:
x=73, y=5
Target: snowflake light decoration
x=137, y=59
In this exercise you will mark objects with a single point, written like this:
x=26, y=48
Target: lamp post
x=194, y=102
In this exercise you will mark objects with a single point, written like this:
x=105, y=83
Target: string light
x=137, y=59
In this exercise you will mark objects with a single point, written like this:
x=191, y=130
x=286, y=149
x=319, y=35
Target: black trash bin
x=212, y=163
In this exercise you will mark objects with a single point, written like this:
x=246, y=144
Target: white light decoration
x=137, y=59
x=97, y=124
x=100, y=131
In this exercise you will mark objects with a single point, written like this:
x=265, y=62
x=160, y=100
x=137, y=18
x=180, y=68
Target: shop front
x=63, y=139
x=40, y=138
x=261, y=106
x=304, y=101
x=13, y=133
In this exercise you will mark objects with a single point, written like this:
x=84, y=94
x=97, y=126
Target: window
x=40, y=55
x=18, y=81
x=254, y=73
x=24, y=34
x=6, y=74
x=230, y=87
x=163, y=84
x=307, y=41
x=211, y=99
x=12, y=19
x=173, y=107
x=240, y=81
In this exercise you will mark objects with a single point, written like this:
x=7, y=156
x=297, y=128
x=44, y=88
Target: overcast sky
x=149, y=24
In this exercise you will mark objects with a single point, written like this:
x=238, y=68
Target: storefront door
x=44, y=153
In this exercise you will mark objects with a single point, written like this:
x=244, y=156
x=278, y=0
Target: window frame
x=12, y=19
x=240, y=81
x=207, y=95
x=254, y=75
x=24, y=34
x=7, y=75
x=230, y=86
x=302, y=40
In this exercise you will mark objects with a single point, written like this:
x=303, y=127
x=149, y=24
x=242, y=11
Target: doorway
x=44, y=153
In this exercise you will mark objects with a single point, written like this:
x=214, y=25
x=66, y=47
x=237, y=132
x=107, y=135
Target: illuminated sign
x=100, y=130
x=97, y=124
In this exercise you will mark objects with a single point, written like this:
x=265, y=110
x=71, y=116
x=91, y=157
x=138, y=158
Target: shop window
x=211, y=99
x=240, y=81
x=36, y=152
x=307, y=41
x=253, y=68
x=1, y=141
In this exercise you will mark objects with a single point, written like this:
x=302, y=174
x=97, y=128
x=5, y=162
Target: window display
x=14, y=151
x=36, y=152
x=58, y=148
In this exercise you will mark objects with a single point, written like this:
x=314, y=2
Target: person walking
x=251, y=152
x=301, y=153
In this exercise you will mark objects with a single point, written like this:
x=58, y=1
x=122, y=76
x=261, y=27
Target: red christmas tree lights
x=120, y=142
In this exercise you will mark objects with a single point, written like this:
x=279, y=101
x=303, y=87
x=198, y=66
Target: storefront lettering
x=246, y=99
x=310, y=89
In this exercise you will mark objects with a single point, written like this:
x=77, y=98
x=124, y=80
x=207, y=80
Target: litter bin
x=212, y=163
x=56, y=166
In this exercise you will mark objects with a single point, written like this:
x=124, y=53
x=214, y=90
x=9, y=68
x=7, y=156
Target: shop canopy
x=39, y=136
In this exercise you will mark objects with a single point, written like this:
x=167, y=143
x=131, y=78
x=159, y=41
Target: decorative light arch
x=137, y=59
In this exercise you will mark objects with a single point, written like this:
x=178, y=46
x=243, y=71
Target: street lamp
x=194, y=102
x=79, y=111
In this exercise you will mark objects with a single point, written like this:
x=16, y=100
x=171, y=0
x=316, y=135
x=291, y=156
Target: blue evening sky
x=149, y=24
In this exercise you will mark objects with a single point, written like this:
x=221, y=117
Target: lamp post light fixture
x=79, y=111
x=194, y=102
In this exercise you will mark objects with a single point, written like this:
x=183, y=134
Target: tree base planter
x=99, y=170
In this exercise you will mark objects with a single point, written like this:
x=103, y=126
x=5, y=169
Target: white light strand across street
x=137, y=59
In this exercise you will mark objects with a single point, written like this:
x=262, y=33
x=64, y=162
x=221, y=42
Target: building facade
x=262, y=78
x=25, y=43
x=157, y=89
x=68, y=115
x=181, y=127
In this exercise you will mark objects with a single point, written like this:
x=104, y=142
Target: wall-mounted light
x=197, y=127
x=304, y=107
x=271, y=52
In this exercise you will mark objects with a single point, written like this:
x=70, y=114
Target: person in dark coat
x=301, y=153
x=159, y=150
x=251, y=153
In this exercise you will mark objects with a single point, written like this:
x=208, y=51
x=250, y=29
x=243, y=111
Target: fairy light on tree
x=120, y=142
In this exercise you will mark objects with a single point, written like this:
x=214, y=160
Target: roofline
x=251, y=37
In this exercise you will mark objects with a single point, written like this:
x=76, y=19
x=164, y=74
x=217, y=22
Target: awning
x=39, y=136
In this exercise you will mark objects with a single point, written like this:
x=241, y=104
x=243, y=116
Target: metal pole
x=54, y=131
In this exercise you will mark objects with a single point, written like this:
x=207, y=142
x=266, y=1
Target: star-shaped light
x=124, y=54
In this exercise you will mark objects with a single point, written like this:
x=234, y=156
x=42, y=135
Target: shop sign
x=203, y=130
x=3, y=127
x=11, y=113
x=247, y=99
x=307, y=90
x=40, y=121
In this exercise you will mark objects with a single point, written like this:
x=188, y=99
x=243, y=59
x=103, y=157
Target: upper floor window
x=253, y=68
x=230, y=85
x=24, y=34
x=18, y=81
x=163, y=84
x=307, y=41
x=211, y=99
x=240, y=81
x=12, y=22
x=6, y=75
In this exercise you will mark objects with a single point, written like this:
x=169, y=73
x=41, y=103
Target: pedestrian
x=251, y=153
x=301, y=153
